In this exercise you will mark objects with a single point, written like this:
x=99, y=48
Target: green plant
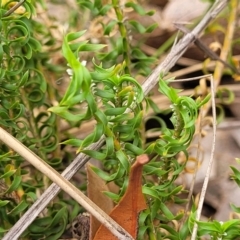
x=219, y=230
x=25, y=97
x=114, y=100
x=24, y=100
x=117, y=29
x=105, y=90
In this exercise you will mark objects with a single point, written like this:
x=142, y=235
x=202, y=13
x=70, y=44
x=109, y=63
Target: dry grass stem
x=14, y=8
x=209, y=168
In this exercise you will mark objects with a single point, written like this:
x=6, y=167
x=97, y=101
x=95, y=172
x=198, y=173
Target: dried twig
x=182, y=46
x=14, y=8
x=206, y=49
x=209, y=168
x=147, y=86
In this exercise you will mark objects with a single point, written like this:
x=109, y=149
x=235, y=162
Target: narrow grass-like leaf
x=15, y=184
x=19, y=208
x=3, y=203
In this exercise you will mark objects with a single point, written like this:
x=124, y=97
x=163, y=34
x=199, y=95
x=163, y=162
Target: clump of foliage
x=105, y=90
x=114, y=100
x=24, y=101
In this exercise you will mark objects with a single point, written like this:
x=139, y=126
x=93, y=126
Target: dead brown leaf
x=132, y=203
x=96, y=186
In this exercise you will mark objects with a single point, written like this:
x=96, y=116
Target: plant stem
x=151, y=230
x=123, y=32
x=31, y=121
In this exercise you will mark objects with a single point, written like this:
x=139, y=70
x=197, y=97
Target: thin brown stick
x=14, y=8
x=206, y=49
x=147, y=86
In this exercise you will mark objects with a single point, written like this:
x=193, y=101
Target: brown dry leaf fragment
x=132, y=203
x=80, y=227
x=95, y=189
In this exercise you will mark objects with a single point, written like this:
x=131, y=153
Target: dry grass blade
x=81, y=159
x=209, y=168
x=14, y=8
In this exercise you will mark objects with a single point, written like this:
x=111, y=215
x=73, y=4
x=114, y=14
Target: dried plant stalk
x=209, y=168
